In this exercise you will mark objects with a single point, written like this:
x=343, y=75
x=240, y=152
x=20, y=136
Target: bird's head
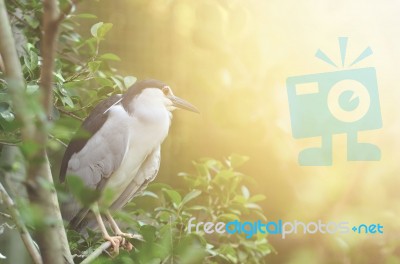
x=153, y=93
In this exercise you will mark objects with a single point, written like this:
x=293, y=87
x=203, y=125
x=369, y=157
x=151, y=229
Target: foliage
x=83, y=76
x=215, y=193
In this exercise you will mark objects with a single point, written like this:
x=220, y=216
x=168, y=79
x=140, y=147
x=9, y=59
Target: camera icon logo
x=329, y=103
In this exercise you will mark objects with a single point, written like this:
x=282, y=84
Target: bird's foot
x=115, y=243
x=125, y=239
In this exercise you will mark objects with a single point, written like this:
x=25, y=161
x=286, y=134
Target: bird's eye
x=166, y=90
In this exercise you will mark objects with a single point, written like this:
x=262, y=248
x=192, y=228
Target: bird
x=120, y=152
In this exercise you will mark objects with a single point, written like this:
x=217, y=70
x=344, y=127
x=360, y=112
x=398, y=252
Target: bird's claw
x=127, y=245
x=125, y=236
x=115, y=243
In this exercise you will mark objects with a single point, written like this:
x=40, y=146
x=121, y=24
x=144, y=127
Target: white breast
x=147, y=130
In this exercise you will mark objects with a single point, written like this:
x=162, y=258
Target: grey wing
x=146, y=174
x=94, y=163
x=100, y=157
x=92, y=124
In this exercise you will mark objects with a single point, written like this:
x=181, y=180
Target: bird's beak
x=180, y=103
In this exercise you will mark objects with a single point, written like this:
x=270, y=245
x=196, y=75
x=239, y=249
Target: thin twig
x=23, y=231
x=77, y=74
x=8, y=143
x=70, y=114
x=5, y=215
x=97, y=252
x=82, y=108
x=11, y=227
x=58, y=140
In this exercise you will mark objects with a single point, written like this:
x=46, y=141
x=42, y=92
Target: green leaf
x=85, y=195
x=129, y=81
x=102, y=31
x=86, y=15
x=239, y=199
x=94, y=66
x=59, y=77
x=7, y=115
x=190, y=196
x=236, y=161
x=73, y=84
x=104, y=81
x=118, y=83
x=107, y=197
x=105, y=91
x=228, y=217
x=253, y=206
x=95, y=28
x=257, y=198
x=202, y=169
x=150, y=194
x=198, y=207
x=66, y=100
x=213, y=164
x=148, y=232
x=99, y=30
x=32, y=88
x=174, y=196
x=110, y=56
x=163, y=209
x=34, y=60
x=245, y=192
x=33, y=22
x=223, y=178
x=229, y=252
x=5, y=112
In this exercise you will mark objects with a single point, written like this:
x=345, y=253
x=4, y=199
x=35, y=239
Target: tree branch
x=97, y=252
x=23, y=231
x=13, y=72
x=51, y=21
x=52, y=238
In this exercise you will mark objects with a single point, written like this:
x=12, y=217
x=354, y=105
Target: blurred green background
x=231, y=59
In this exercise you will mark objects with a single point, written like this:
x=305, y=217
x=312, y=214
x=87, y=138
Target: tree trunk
x=51, y=236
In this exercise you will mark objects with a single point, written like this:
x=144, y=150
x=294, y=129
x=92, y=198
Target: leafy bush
x=215, y=193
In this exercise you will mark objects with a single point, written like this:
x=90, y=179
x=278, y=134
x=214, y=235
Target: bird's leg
x=117, y=231
x=115, y=240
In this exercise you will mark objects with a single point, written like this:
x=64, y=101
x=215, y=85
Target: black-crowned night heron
x=121, y=153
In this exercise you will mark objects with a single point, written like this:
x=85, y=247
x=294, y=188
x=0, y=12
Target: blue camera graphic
x=324, y=104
